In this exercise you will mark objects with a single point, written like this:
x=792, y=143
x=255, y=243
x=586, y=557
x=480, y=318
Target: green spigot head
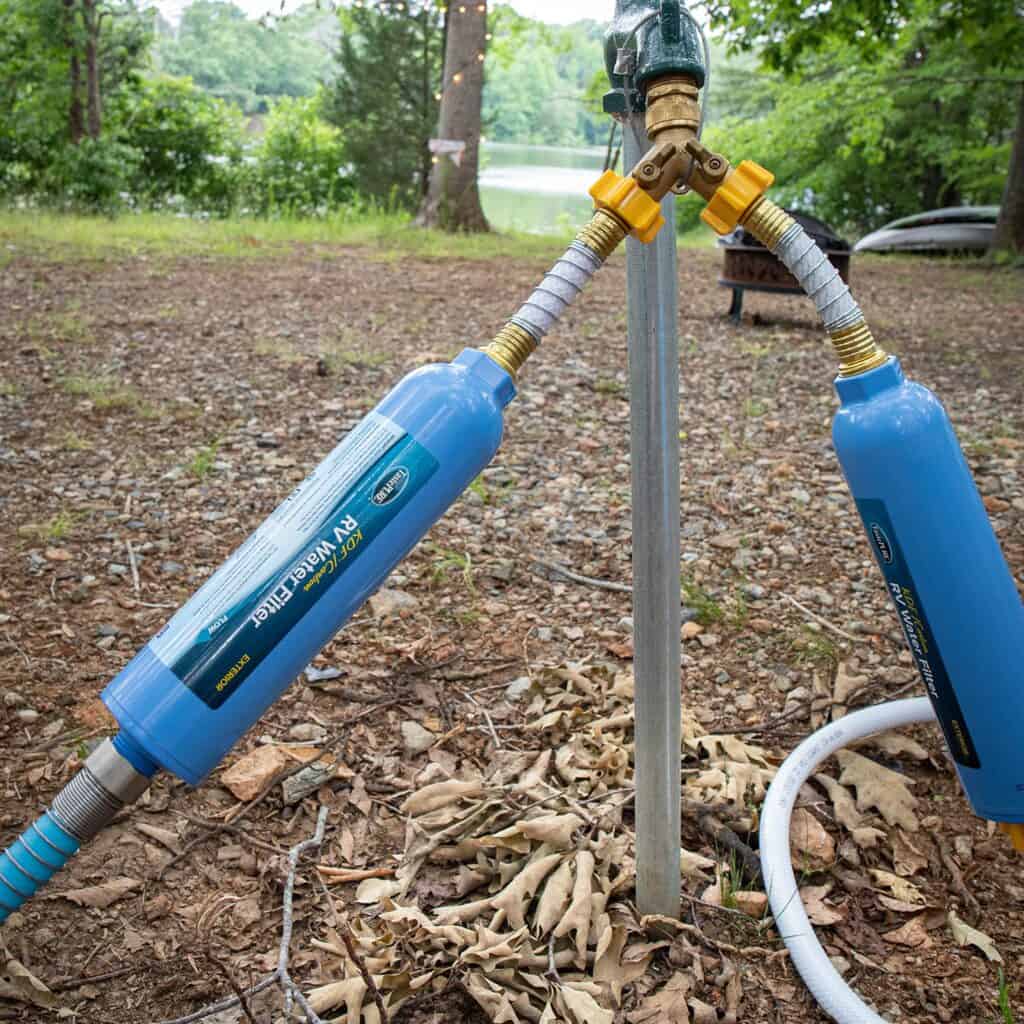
x=665, y=43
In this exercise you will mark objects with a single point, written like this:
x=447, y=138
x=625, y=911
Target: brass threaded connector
x=767, y=222
x=673, y=109
x=857, y=350
x=511, y=347
x=603, y=233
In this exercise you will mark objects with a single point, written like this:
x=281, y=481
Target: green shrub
x=298, y=166
x=189, y=145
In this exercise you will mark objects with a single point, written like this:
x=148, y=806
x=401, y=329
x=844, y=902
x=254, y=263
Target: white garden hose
x=835, y=997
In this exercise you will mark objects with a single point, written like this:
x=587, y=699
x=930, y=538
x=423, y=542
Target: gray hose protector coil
x=819, y=278
x=553, y=296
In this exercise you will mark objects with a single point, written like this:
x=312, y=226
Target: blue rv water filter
x=230, y=652
x=954, y=594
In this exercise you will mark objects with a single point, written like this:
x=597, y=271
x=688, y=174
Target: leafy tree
x=249, y=62
x=926, y=94
x=384, y=97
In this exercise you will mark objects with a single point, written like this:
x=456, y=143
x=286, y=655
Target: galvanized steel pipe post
x=654, y=422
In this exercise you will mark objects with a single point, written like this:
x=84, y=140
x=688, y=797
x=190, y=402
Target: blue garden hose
x=32, y=860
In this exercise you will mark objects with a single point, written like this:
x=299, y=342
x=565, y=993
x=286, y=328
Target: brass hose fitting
x=766, y=221
x=603, y=233
x=857, y=349
x=673, y=110
x=511, y=347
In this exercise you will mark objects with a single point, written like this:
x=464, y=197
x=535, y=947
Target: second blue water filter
x=227, y=655
x=956, y=599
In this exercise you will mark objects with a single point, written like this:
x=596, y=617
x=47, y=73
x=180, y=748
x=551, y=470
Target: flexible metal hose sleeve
x=553, y=296
x=819, y=278
x=836, y=998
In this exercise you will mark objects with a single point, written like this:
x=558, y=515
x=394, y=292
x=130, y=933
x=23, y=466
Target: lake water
x=539, y=189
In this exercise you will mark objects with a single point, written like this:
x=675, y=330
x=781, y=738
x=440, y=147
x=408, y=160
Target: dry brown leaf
x=898, y=906
x=582, y=1008
x=896, y=745
x=348, y=993
x=669, y=1005
x=913, y=934
x=614, y=968
x=809, y=842
x=492, y=999
x=842, y=802
x=554, y=899
x=20, y=985
x=441, y=794
x=514, y=899
x=577, y=917
x=906, y=857
x=373, y=890
x=818, y=912
x=867, y=838
x=845, y=686
x=692, y=865
x=903, y=890
x=554, y=829
x=103, y=895
x=879, y=787
x=965, y=935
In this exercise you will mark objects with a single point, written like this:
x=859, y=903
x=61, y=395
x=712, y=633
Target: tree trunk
x=76, y=113
x=91, y=20
x=453, y=199
x=1009, y=233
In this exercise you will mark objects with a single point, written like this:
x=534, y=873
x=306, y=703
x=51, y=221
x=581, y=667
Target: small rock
x=746, y=702
x=708, y=640
x=307, y=732
x=12, y=698
x=692, y=629
x=105, y=642
x=107, y=629
x=58, y=555
x=626, y=622
x=753, y=904
x=518, y=688
x=392, y=602
x=246, y=778
x=172, y=568
x=993, y=504
x=321, y=675
x=415, y=738
x=754, y=591
x=800, y=496
x=28, y=715
x=726, y=541
x=116, y=569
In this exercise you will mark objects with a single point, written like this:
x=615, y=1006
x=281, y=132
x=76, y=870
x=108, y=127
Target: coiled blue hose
x=31, y=860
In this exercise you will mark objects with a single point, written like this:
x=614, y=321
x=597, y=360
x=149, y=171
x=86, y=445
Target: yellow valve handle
x=740, y=190
x=1016, y=833
x=630, y=203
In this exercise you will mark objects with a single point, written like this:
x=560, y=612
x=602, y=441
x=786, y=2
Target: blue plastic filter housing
x=230, y=652
x=953, y=591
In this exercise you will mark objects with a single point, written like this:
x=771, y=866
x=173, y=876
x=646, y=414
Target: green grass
x=708, y=610
x=107, y=395
x=8, y=388
x=1005, y=1009
x=76, y=236
x=202, y=462
x=55, y=529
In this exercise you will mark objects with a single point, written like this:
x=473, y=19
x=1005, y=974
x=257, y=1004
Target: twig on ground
x=487, y=717
x=958, y=882
x=820, y=620
x=133, y=565
x=341, y=876
x=552, y=971
x=587, y=581
x=371, y=986
x=229, y=977
x=94, y=979
x=280, y=977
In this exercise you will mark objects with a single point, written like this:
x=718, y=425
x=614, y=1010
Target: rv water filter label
x=923, y=645
x=306, y=545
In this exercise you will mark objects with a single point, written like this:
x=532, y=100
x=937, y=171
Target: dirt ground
x=169, y=404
